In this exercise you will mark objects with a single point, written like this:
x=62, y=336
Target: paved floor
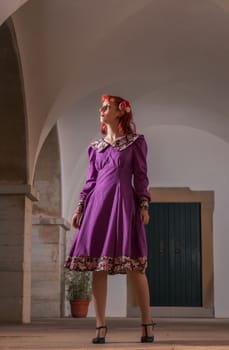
x=124, y=333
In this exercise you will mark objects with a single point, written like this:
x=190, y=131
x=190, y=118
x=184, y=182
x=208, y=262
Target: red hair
x=126, y=125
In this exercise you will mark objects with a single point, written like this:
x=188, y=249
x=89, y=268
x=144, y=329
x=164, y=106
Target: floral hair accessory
x=124, y=106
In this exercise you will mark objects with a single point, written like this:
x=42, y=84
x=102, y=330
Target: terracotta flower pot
x=79, y=308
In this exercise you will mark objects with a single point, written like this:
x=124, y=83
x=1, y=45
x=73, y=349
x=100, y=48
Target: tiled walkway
x=124, y=333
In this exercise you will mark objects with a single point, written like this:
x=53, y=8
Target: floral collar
x=120, y=144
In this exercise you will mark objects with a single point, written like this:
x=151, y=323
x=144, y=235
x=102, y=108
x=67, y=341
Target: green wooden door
x=174, y=254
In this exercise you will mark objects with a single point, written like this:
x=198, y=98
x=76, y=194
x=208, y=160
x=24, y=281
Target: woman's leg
x=140, y=285
x=99, y=296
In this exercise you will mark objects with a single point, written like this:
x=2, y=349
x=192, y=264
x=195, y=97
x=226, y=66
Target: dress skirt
x=111, y=236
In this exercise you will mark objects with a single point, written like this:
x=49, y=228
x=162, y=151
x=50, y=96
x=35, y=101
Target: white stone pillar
x=15, y=252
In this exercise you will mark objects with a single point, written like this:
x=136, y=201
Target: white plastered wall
x=180, y=157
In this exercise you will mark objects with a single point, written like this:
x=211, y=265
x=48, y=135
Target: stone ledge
x=41, y=220
x=17, y=189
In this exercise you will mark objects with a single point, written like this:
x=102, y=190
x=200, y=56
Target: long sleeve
x=141, y=181
x=91, y=175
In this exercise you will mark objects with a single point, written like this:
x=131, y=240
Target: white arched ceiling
x=7, y=8
x=55, y=37
x=163, y=55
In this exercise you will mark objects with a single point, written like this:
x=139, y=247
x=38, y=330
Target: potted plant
x=78, y=288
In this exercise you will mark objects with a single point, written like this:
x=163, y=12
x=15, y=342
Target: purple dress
x=111, y=236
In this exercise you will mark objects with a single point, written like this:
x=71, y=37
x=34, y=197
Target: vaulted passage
x=15, y=193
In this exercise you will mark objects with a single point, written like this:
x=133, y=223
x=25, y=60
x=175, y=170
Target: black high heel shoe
x=146, y=338
x=98, y=339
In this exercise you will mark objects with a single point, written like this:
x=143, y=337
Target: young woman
x=112, y=212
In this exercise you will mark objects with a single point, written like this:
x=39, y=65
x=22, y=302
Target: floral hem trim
x=118, y=265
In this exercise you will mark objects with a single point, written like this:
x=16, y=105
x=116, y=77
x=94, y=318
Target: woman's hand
x=144, y=215
x=76, y=220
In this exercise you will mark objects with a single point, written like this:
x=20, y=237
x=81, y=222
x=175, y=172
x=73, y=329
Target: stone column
x=48, y=255
x=15, y=252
